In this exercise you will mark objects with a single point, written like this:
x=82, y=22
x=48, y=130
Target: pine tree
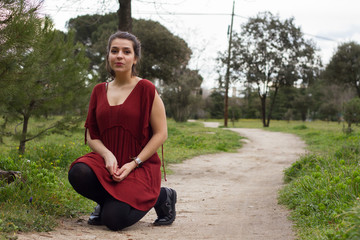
x=44, y=76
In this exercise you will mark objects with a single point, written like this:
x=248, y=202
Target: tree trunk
x=349, y=129
x=23, y=135
x=357, y=89
x=263, y=109
x=124, y=16
x=271, y=107
x=3, y=129
x=303, y=116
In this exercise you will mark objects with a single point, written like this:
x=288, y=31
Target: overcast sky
x=203, y=24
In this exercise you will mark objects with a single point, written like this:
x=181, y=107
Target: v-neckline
x=107, y=100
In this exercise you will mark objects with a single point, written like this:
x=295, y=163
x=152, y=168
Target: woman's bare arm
x=159, y=129
x=97, y=146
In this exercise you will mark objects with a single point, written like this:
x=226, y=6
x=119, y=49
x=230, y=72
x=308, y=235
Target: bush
x=352, y=113
x=300, y=127
x=43, y=193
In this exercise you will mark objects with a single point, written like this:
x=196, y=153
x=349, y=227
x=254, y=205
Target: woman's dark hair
x=136, y=46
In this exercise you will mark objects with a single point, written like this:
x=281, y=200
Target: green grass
x=43, y=194
x=321, y=189
x=320, y=136
x=192, y=139
x=34, y=202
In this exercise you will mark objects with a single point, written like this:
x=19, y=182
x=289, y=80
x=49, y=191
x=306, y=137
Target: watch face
x=138, y=161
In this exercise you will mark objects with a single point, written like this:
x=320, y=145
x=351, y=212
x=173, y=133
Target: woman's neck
x=121, y=79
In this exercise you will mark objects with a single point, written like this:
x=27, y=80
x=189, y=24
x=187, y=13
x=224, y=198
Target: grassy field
x=43, y=194
x=320, y=136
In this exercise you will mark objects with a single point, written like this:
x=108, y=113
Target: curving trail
x=220, y=196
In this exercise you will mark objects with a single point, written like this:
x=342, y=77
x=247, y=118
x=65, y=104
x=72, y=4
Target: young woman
x=125, y=126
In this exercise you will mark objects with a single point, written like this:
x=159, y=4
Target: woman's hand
x=121, y=173
x=111, y=163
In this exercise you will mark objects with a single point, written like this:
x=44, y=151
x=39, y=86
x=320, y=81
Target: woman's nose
x=120, y=54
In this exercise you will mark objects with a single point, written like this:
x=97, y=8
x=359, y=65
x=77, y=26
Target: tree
x=180, y=95
x=302, y=102
x=93, y=31
x=234, y=113
x=284, y=101
x=328, y=111
x=48, y=76
x=215, y=104
x=352, y=112
x=17, y=24
x=162, y=52
x=251, y=104
x=327, y=98
x=344, y=66
x=124, y=16
x=269, y=54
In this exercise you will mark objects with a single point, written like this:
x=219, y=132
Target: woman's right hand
x=97, y=146
x=110, y=163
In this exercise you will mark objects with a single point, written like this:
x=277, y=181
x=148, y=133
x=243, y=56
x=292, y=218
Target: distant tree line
x=281, y=75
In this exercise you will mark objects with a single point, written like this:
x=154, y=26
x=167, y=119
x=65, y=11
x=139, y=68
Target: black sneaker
x=166, y=212
x=94, y=218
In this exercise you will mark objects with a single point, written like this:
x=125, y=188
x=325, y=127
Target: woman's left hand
x=121, y=173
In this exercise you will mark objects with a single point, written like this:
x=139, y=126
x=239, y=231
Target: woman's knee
x=115, y=220
x=78, y=173
x=118, y=215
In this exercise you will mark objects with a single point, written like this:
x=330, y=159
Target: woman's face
x=121, y=56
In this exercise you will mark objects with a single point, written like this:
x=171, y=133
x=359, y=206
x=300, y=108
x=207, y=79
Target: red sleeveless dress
x=125, y=130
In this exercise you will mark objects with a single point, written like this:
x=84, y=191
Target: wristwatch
x=138, y=161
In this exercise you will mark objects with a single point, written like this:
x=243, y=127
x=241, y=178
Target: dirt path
x=220, y=196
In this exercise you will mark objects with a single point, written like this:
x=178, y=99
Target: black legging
x=115, y=214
